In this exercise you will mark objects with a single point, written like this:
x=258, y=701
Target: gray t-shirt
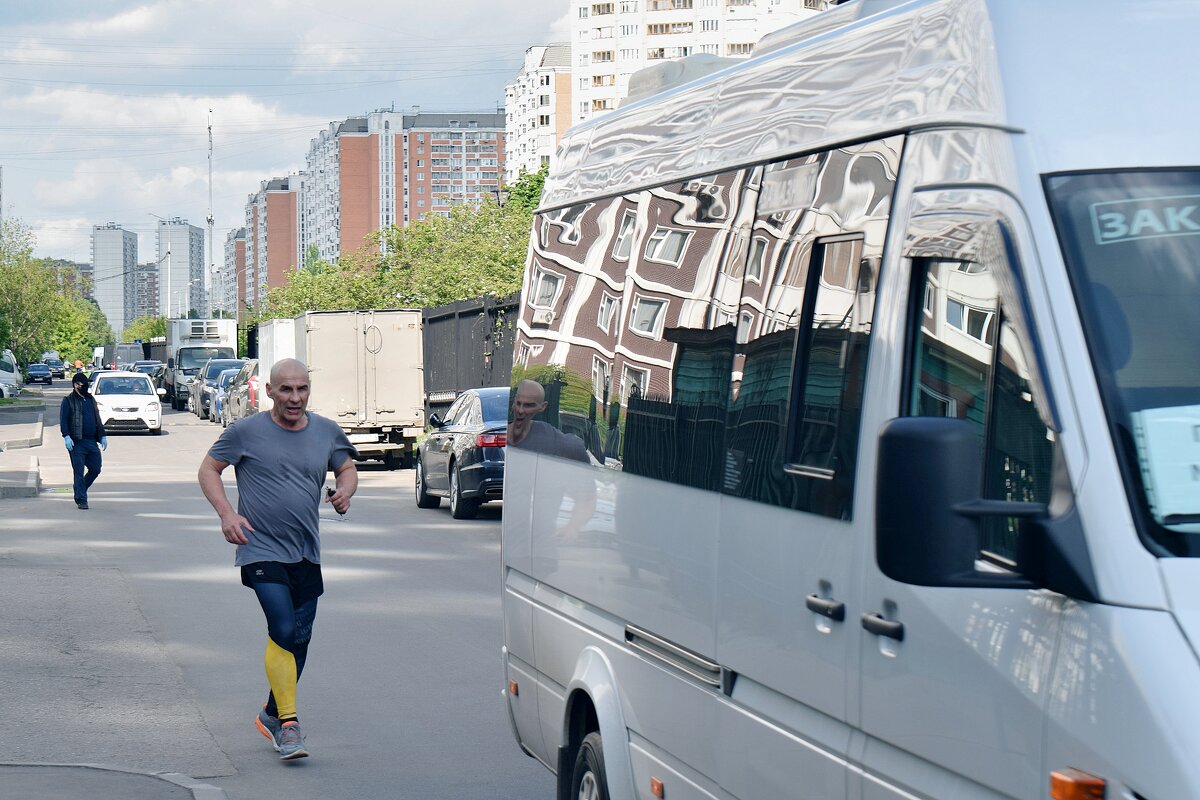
x=280, y=475
x=545, y=438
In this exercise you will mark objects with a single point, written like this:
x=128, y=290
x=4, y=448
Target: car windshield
x=226, y=378
x=127, y=384
x=196, y=357
x=54, y=363
x=495, y=408
x=38, y=368
x=1131, y=240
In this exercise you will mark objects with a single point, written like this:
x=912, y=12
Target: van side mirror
x=170, y=363
x=161, y=392
x=435, y=421
x=928, y=508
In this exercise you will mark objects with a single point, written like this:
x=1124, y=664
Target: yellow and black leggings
x=289, y=629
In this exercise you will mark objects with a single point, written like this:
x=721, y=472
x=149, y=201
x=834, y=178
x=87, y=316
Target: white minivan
x=882, y=348
x=10, y=374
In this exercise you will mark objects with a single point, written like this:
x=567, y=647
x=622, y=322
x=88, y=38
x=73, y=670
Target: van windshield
x=1131, y=241
x=196, y=357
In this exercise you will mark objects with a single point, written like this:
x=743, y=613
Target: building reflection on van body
x=696, y=290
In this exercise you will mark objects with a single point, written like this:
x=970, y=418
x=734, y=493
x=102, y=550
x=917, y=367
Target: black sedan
x=39, y=373
x=462, y=456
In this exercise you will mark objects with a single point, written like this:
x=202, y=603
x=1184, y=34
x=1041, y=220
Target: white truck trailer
x=189, y=343
x=368, y=376
x=276, y=341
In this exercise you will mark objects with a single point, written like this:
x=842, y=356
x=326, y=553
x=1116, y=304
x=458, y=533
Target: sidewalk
x=56, y=651
x=20, y=428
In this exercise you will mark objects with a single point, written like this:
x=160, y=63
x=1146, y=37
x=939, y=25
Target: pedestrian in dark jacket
x=83, y=434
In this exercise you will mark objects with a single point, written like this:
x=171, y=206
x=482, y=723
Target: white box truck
x=276, y=341
x=188, y=344
x=368, y=376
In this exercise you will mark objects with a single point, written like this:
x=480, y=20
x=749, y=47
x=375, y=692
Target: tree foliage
x=145, y=328
x=435, y=260
x=41, y=308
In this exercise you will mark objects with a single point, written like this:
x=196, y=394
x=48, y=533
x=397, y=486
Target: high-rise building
x=271, y=237
x=365, y=174
x=114, y=259
x=537, y=109
x=144, y=301
x=612, y=39
x=231, y=282
x=180, y=268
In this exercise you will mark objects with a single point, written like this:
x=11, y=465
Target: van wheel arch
x=593, y=706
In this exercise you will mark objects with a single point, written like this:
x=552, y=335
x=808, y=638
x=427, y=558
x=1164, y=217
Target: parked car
x=39, y=373
x=57, y=368
x=462, y=457
x=216, y=412
x=128, y=401
x=242, y=397
x=201, y=391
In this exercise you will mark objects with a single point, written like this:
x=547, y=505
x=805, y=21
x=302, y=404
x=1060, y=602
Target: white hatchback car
x=128, y=401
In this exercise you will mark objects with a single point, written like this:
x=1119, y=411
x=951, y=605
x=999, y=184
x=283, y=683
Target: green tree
x=31, y=303
x=145, y=328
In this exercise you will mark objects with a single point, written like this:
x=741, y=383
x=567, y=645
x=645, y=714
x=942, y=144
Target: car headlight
x=153, y=408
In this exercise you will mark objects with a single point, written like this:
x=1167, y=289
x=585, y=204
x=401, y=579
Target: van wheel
x=392, y=460
x=587, y=779
x=424, y=499
x=460, y=507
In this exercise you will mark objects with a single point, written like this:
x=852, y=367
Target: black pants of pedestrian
x=85, y=455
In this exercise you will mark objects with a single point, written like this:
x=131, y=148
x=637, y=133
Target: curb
x=200, y=791
x=30, y=488
x=32, y=441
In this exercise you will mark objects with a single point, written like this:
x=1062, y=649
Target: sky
x=104, y=104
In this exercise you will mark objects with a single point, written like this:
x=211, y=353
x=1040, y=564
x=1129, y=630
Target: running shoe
x=291, y=741
x=268, y=726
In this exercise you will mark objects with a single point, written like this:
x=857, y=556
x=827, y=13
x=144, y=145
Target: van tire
x=587, y=779
x=460, y=507
x=424, y=498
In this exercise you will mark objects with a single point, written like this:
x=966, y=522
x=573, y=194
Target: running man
x=280, y=460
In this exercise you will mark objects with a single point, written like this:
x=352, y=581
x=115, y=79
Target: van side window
x=968, y=363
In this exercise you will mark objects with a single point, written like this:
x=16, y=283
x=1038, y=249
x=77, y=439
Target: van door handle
x=879, y=626
x=833, y=609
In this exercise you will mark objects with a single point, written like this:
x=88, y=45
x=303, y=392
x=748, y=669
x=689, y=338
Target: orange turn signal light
x=656, y=788
x=512, y=689
x=1074, y=784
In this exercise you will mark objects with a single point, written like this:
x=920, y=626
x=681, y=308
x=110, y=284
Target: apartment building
x=144, y=301
x=180, y=261
x=386, y=168
x=271, y=239
x=114, y=259
x=537, y=109
x=231, y=281
x=612, y=39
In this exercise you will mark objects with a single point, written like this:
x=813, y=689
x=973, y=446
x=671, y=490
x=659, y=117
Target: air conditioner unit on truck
x=368, y=376
x=189, y=343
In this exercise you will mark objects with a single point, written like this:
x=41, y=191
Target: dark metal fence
x=468, y=344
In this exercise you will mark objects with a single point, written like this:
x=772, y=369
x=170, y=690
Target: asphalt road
x=130, y=642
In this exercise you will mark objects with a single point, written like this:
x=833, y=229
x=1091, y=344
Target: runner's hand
x=338, y=499
x=234, y=528
x=70, y=444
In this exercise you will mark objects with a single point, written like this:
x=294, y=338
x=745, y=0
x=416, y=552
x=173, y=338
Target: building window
x=602, y=56
x=545, y=288
x=602, y=33
x=629, y=30
x=624, y=241
x=628, y=6
x=610, y=309
x=543, y=120
x=599, y=9
x=974, y=322
x=543, y=100
x=583, y=12
x=602, y=105
x=647, y=316
x=634, y=383
x=604, y=80
x=656, y=53
x=601, y=376
x=739, y=48
x=666, y=245
x=709, y=25
x=754, y=267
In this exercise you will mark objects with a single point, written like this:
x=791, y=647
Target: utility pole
x=209, y=278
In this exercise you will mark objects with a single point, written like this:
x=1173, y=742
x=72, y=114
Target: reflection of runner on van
x=531, y=434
